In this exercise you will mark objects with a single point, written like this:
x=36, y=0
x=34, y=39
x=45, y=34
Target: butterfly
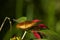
x=27, y=24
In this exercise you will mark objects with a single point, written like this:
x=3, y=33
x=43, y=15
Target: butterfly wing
x=25, y=25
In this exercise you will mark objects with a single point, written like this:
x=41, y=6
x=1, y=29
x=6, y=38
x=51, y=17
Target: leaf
x=58, y=27
x=29, y=36
x=51, y=35
x=21, y=19
x=44, y=39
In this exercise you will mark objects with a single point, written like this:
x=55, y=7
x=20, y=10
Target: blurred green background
x=46, y=10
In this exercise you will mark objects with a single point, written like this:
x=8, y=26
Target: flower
x=42, y=26
x=36, y=34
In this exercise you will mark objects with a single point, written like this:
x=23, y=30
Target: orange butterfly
x=27, y=24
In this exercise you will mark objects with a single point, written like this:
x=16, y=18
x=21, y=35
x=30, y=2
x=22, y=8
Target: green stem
x=30, y=11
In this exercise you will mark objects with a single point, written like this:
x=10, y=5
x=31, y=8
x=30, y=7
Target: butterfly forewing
x=25, y=25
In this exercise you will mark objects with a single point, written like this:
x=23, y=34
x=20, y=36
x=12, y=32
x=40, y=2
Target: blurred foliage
x=46, y=10
x=21, y=19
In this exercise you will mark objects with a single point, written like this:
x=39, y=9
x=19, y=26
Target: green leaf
x=44, y=39
x=21, y=19
x=58, y=27
x=51, y=35
x=29, y=36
